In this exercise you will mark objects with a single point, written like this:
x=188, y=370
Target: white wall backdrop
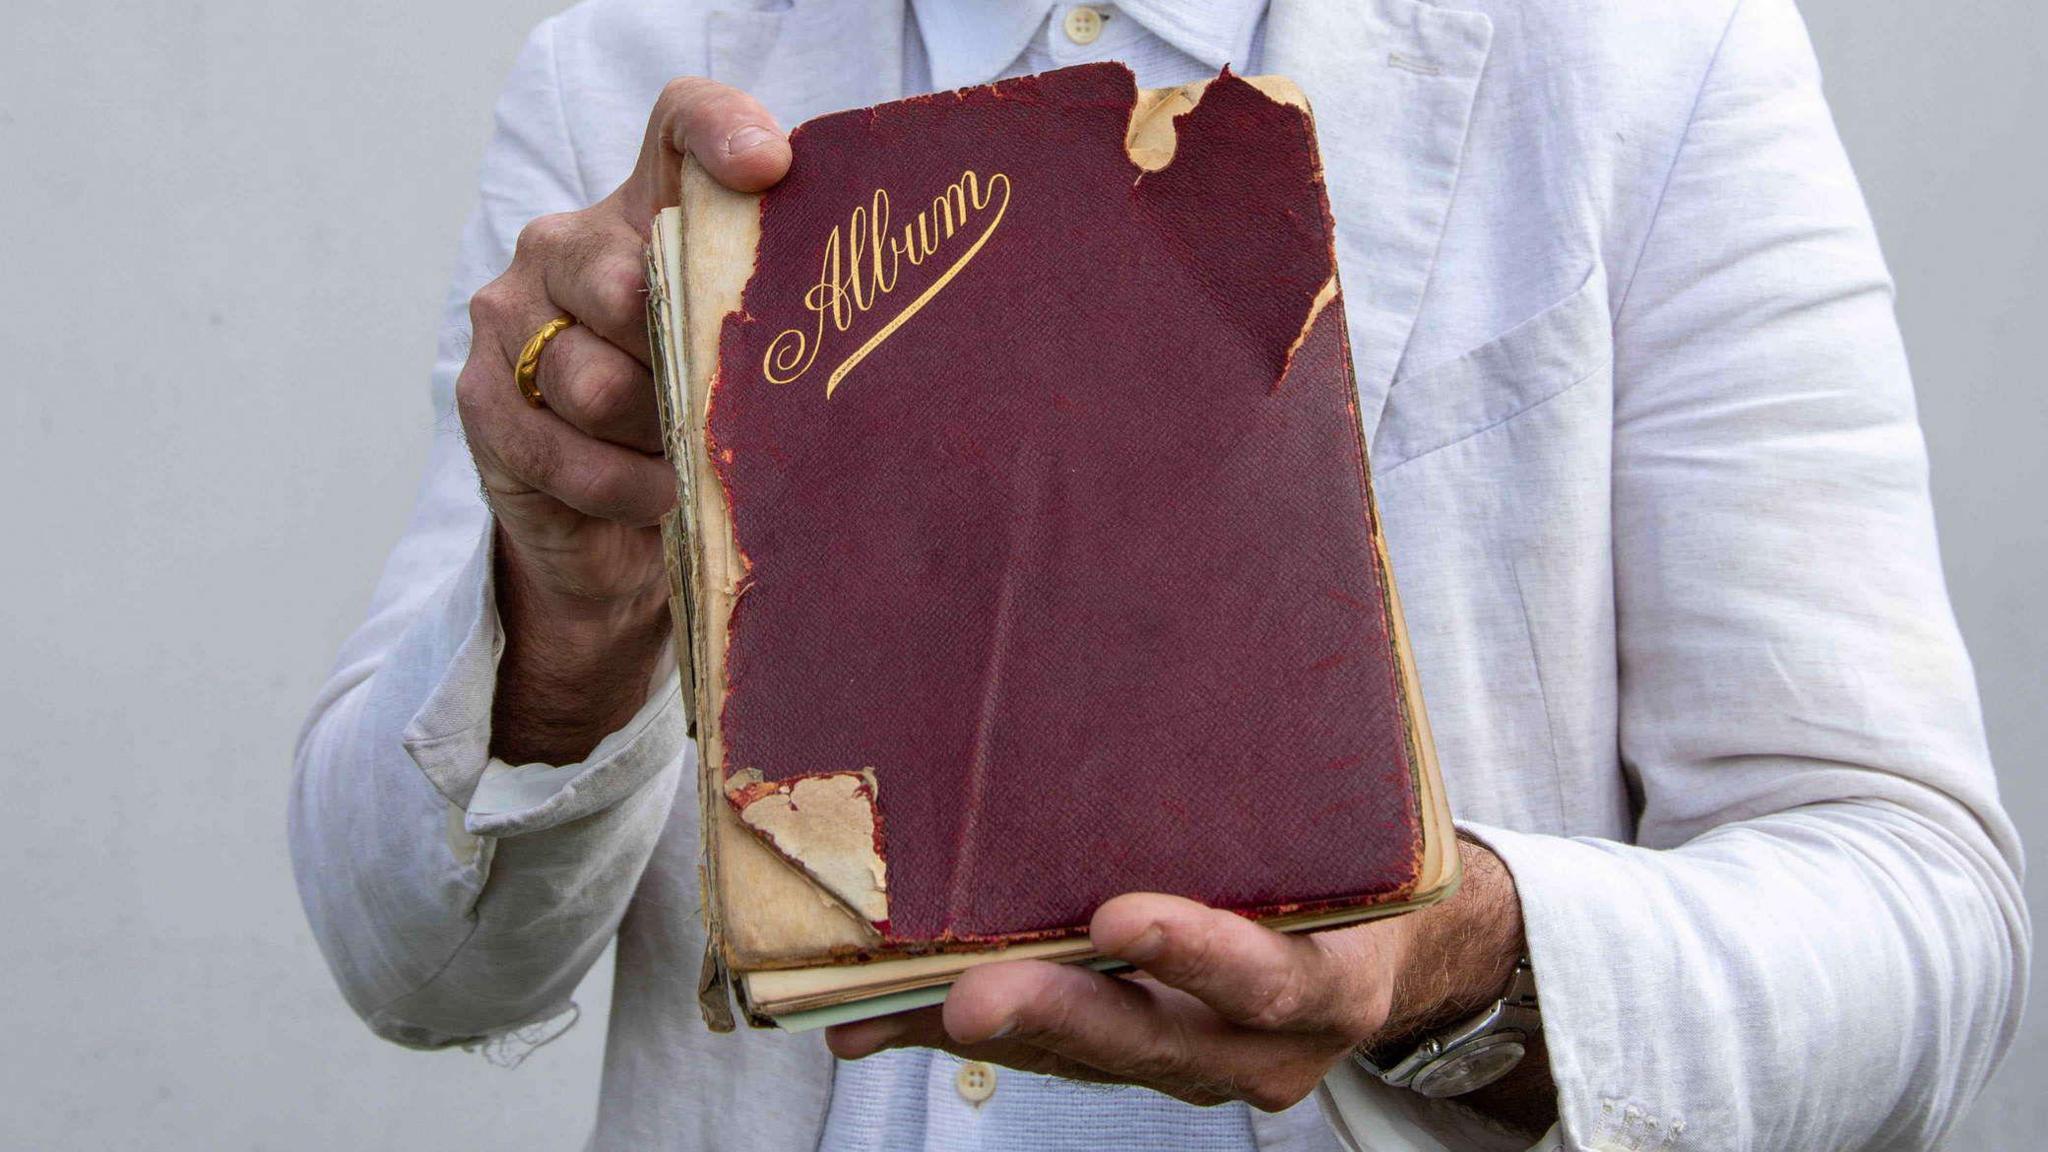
x=224, y=231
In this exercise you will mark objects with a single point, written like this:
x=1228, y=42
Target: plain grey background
x=224, y=234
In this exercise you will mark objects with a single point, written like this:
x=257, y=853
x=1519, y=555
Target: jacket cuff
x=449, y=735
x=1370, y=1115
x=1577, y=902
x=514, y=798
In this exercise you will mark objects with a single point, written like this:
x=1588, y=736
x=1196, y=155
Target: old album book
x=1027, y=553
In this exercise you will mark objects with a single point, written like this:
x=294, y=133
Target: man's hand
x=579, y=487
x=1224, y=1009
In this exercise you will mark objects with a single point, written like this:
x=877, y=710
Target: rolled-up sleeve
x=1818, y=938
x=457, y=897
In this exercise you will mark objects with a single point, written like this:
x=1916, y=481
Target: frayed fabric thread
x=510, y=1048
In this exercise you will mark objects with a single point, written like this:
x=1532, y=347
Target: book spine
x=675, y=532
x=668, y=329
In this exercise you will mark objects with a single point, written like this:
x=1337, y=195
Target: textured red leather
x=1075, y=558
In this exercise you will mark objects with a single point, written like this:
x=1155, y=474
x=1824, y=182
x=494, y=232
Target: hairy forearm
x=1457, y=958
x=573, y=670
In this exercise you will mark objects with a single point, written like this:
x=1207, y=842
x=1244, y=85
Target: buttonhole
x=1415, y=64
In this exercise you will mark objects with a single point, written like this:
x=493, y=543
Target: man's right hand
x=578, y=487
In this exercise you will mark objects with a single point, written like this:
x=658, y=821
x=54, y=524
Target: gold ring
x=528, y=364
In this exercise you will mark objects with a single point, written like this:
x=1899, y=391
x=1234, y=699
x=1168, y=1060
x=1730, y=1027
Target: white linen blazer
x=1646, y=449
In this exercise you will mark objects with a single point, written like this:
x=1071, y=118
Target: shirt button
x=975, y=1081
x=1083, y=24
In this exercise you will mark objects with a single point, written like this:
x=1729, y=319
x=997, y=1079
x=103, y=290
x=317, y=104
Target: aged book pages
x=798, y=864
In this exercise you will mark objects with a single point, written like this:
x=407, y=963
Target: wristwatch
x=1471, y=1055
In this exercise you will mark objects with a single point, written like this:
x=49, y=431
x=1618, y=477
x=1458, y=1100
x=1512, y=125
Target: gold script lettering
x=860, y=264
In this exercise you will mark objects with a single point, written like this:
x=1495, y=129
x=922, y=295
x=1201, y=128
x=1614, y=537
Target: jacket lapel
x=814, y=57
x=1392, y=85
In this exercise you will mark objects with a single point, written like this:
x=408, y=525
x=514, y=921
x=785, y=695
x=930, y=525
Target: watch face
x=1471, y=1067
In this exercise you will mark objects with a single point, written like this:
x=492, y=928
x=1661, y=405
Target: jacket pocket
x=1535, y=360
x=1493, y=473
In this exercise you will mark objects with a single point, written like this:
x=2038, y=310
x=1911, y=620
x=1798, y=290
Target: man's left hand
x=1221, y=1008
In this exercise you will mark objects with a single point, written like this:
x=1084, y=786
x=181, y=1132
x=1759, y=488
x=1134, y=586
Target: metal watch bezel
x=1511, y=1019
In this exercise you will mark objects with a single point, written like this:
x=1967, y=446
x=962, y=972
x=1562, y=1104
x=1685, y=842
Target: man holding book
x=1643, y=441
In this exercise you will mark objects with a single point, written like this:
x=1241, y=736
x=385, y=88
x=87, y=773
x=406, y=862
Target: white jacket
x=1646, y=449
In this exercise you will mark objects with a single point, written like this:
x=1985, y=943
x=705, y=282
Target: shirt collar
x=972, y=41
x=1218, y=32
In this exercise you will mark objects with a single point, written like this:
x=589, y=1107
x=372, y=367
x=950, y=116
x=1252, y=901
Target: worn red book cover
x=1050, y=563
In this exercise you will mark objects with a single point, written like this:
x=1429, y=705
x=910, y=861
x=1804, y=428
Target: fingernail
x=747, y=139
x=1145, y=945
x=1008, y=1027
